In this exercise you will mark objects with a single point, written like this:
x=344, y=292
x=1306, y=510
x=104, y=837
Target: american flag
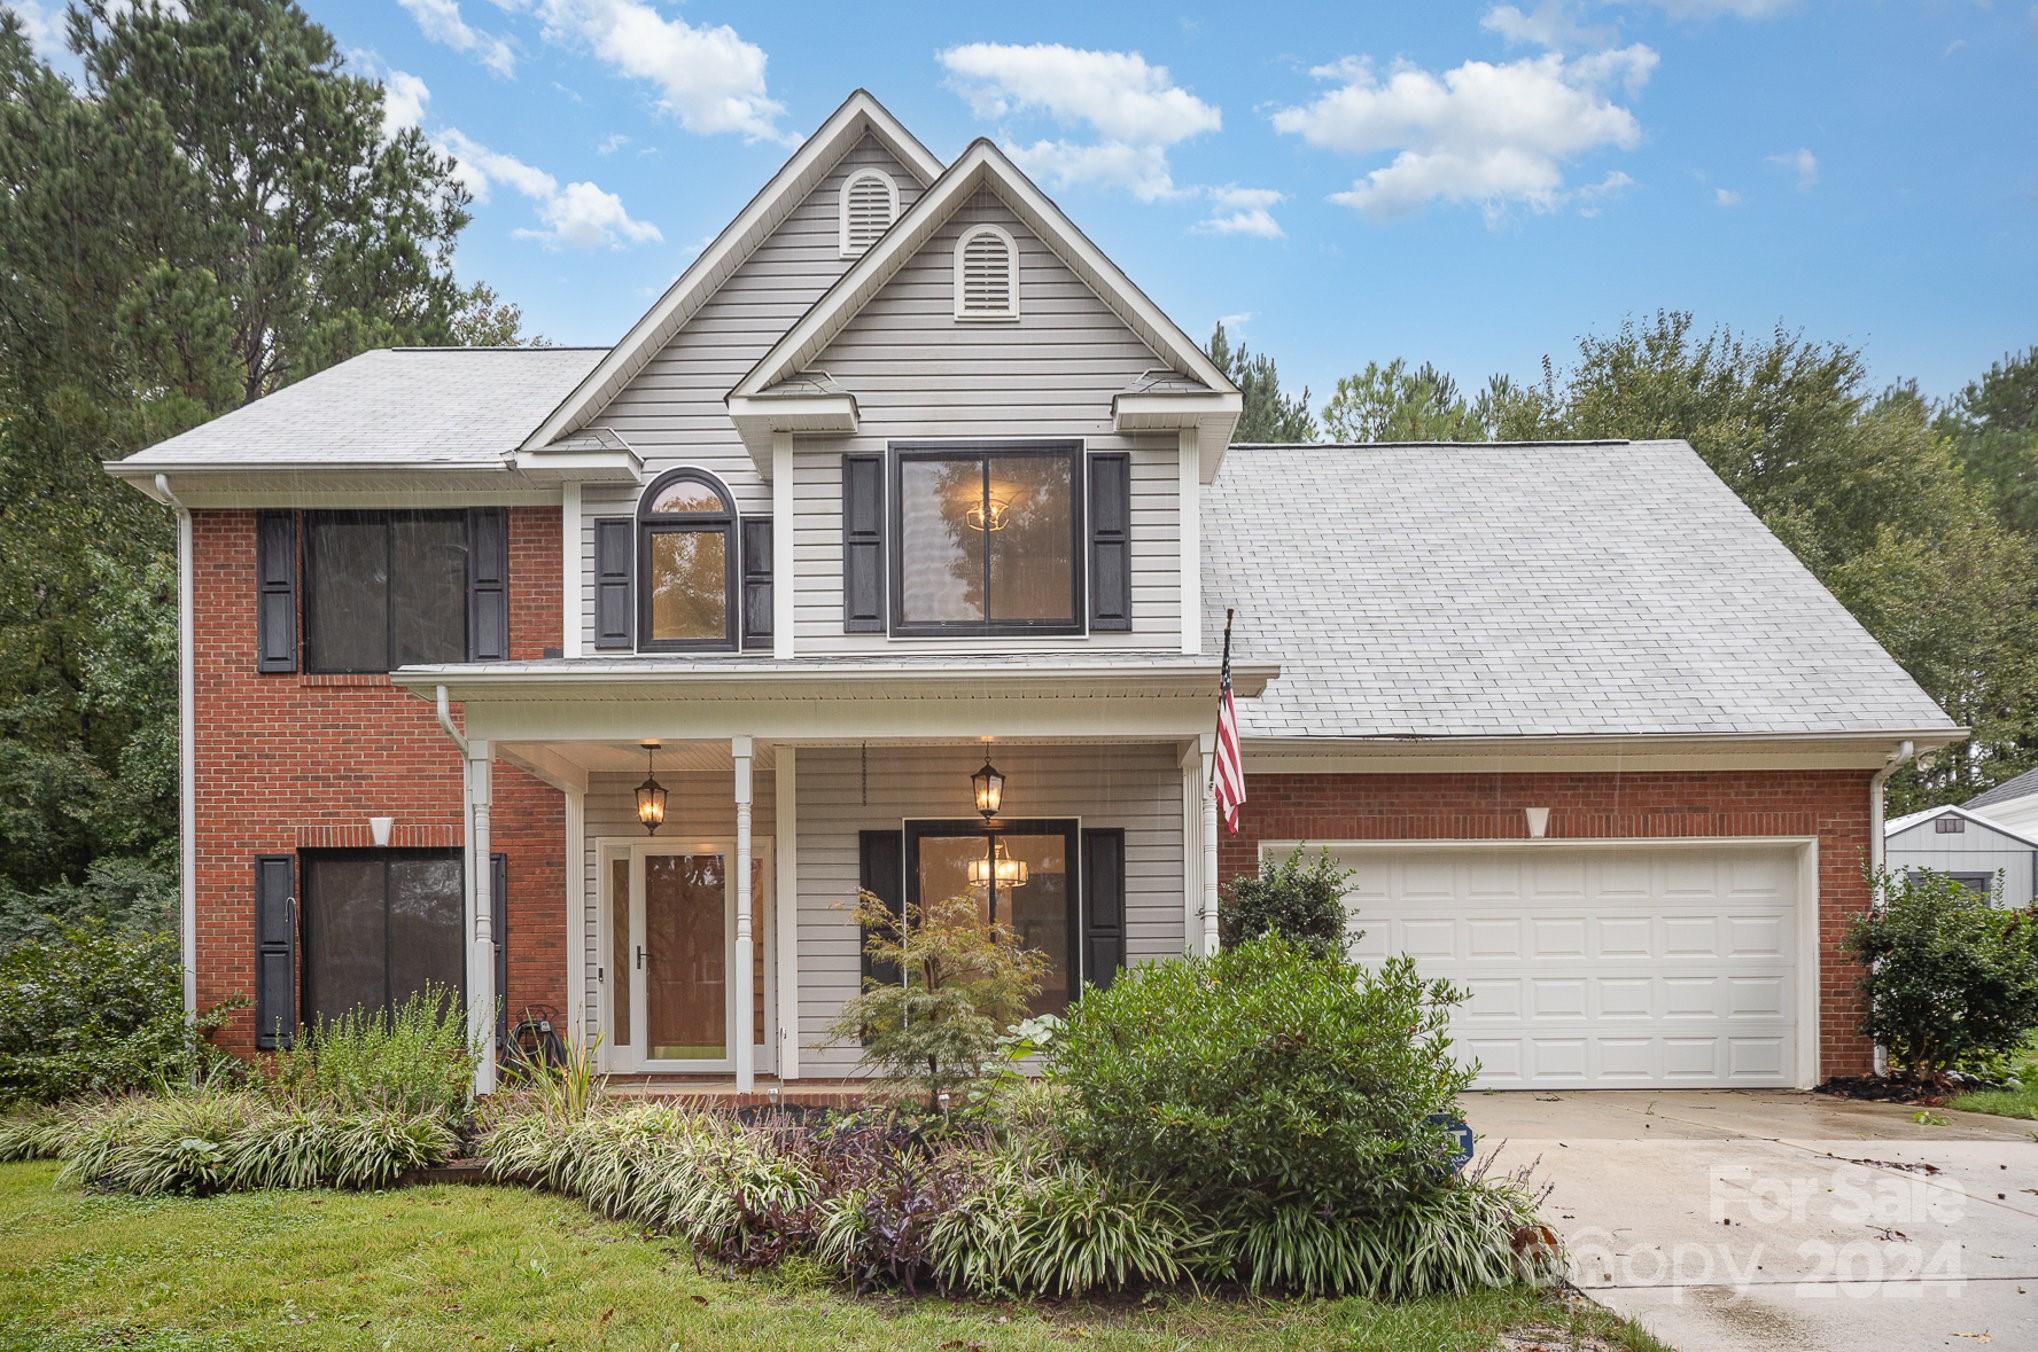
x=1228, y=774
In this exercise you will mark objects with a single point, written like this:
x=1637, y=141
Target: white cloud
x=441, y=21
x=1557, y=24
x=583, y=216
x=1801, y=163
x=1592, y=195
x=1242, y=211
x=1478, y=133
x=611, y=143
x=1237, y=321
x=1135, y=110
x=578, y=216
x=403, y=102
x=1714, y=9
x=1725, y=197
x=707, y=77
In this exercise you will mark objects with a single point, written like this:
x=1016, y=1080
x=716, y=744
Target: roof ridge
x=491, y=347
x=1451, y=445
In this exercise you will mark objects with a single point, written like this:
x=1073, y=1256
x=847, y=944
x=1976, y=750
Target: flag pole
x=1211, y=782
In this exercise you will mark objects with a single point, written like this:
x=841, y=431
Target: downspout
x=187, y=739
x=480, y=939
x=1878, y=847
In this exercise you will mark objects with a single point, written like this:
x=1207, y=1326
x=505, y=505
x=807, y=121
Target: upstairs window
x=986, y=274
x=686, y=558
x=870, y=203
x=989, y=540
x=384, y=590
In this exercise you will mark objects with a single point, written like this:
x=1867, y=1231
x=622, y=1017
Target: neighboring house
x=1979, y=852
x=2012, y=803
x=903, y=474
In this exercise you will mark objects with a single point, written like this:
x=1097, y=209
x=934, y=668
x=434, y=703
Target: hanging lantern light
x=651, y=794
x=999, y=865
x=990, y=789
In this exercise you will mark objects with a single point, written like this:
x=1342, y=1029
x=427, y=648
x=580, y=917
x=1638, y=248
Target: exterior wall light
x=651, y=794
x=990, y=789
x=1538, y=821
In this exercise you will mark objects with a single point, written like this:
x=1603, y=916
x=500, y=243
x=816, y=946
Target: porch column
x=1208, y=759
x=746, y=1036
x=786, y=904
x=481, y=992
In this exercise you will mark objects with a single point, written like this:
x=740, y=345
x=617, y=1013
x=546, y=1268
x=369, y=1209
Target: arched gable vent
x=870, y=203
x=986, y=274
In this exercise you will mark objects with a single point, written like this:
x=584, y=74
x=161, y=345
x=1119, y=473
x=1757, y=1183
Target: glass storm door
x=674, y=996
x=1018, y=872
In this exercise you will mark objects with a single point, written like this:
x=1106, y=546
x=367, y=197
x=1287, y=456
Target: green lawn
x=472, y=1267
x=2019, y=1102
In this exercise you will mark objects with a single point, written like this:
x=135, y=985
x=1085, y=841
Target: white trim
x=570, y=565
x=1808, y=900
x=1010, y=310
x=982, y=164
x=607, y=849
x=1189, y=535
x=786, y=899
x=859, y=114
x=187, y=750
x=576, y=1012
x=891, y=188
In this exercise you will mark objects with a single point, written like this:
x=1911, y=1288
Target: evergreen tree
x=1269, y=415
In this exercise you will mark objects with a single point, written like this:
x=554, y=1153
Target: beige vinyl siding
x=1137, y=788
x=672, y=413
x=919, y=373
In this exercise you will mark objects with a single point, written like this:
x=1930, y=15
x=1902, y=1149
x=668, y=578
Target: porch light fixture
x=990, y=789
x=1009, y=873
x=651, y=794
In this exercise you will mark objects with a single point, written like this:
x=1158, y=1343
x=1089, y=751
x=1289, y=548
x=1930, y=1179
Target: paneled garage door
x=1600, y=967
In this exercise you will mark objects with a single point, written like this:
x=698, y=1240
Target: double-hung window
x=384, y=589
x=686, y=531
x=989, y=539
x=379, y=927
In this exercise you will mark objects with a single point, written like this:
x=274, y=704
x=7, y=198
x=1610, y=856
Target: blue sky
x=1470, y=184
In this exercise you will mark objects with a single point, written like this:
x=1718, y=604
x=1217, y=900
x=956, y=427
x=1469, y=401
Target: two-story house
x=889, y=551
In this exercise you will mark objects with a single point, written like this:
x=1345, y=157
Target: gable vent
x=986, y=275
x=870, y=201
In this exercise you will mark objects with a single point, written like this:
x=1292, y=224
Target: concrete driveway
x=1755, y=1219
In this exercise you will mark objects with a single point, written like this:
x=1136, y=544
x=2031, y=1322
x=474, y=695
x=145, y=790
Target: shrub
x=878, y=1229
x=1305, y=903
x=95, y=1011
x=168, y=1144
x=966, y=982
x=1951, y=981
x=1263, y=1073
x=414, y=1059
x=35, y=1133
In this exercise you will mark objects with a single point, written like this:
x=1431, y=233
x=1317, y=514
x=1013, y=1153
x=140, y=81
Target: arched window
x=986, y=274
x=686, y=558
x=870, y=203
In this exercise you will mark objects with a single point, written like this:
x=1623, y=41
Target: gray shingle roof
x=2023, y=786
x=1576, y=589
x=428, y=407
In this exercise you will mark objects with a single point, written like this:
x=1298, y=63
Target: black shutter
x=487, y=585
x=1110, y=542
x=498, y=928
x=1104, y=902
x=614, y=548
x=275, y=950
x=275, y=591
x=881, y=871
x=756, y=537
x=863, y=544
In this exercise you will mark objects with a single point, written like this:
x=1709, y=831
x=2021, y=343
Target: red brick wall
x=1829, y=804
x=284, y=762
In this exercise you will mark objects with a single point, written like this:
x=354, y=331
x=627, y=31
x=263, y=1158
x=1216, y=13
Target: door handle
x=640, y=957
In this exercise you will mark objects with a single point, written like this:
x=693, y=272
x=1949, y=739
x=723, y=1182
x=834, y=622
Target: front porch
x=722, y=944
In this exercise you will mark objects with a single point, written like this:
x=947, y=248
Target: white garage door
x=1599, y=967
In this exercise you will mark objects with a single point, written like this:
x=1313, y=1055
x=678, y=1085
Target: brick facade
x=1831, y=805
x=294, y=761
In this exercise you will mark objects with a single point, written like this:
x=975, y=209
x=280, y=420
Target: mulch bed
x=1901, y=1088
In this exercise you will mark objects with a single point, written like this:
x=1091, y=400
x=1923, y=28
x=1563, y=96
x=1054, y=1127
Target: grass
x=2019, y=1102
x=474, y=1267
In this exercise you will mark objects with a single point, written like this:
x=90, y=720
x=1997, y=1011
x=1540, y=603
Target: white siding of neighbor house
x=1138, y=788
x=672, y=413
x=1977, y=849
x=919, y=373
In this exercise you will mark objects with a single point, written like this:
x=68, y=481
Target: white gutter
x=187, y=773
x=1878, y=846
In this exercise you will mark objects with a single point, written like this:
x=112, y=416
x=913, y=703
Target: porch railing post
x=481, y=992
x=746, y=1037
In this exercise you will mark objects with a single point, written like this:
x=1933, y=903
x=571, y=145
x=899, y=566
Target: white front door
x=1602, y=967
x=671, y=916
